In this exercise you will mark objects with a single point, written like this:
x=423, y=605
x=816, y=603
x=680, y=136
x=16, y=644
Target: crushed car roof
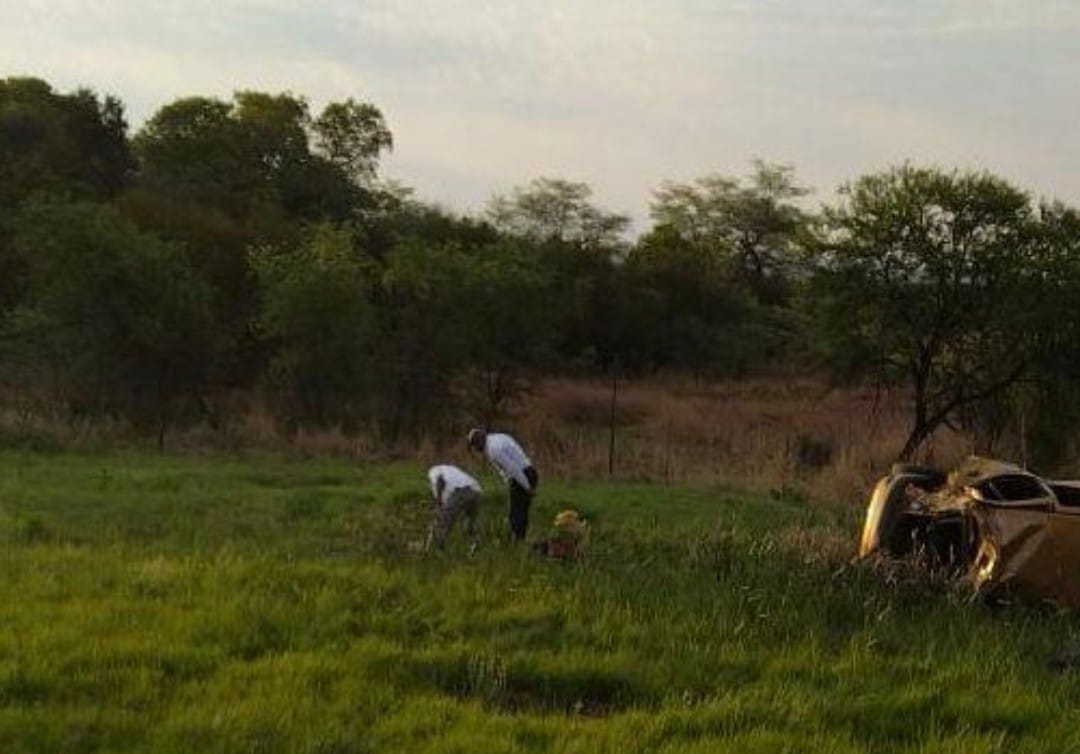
x=976, y=469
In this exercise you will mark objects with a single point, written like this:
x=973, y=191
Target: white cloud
x=486, y=94
x=1010, y=16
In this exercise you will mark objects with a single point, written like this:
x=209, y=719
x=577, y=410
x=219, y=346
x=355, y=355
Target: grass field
x=191, y=604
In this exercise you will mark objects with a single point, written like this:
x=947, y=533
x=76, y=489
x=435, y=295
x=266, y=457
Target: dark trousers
x=520, y=499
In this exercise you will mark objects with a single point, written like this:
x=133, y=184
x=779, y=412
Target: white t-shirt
x=508, y=458
x=453, y=479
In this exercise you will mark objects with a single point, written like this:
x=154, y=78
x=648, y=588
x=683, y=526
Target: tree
x=755, y=226
x=190, y=150
x=62, y=145
x=352, y=135
x=554, y=209
x=688, y=312
x=316, y=313
x=71, y=144
x=423, y=318
x=933, y=280
x=263, y=155
x=403, y=219
x=1046, y=406
x=114, y=320
x=355, y=339
x=508, y=317
x=578, y=246
x=257, y=172
x=277, y=137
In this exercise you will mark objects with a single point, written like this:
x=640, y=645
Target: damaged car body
x=1004, y=528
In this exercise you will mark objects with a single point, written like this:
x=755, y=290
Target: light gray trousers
x=463, y=501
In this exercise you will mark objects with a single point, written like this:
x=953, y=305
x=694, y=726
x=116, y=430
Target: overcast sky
x=623, y=94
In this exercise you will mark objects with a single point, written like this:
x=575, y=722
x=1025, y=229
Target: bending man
x=515, y=468
x=454, y=493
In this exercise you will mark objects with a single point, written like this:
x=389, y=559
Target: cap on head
x=476, y=439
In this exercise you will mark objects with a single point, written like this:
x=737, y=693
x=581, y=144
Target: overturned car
x=1007, y=530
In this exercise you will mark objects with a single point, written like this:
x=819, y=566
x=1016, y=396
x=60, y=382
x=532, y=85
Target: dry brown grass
x=764, y=434
x=778, y=435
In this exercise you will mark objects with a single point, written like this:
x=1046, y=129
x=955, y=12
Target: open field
x=180, y=604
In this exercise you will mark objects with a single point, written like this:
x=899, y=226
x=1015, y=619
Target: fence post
x=611, y=419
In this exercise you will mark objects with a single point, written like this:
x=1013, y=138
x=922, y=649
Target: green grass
x=183, y=604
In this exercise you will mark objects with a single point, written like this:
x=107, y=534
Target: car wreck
x=1005, y=529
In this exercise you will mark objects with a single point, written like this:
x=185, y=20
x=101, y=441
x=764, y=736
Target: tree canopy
x=754, y=226
x=250, y=245
x=555, y=209
x=933, y=279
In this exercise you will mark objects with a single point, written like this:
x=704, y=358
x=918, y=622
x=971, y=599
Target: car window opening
x=1012, y=488
x=1067, y=495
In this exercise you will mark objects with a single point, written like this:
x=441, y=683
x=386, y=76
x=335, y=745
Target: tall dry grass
x=769, y=434
x=795, y=435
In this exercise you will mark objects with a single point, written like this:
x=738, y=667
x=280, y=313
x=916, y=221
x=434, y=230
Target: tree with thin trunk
x=754, y=226
x=931, y=280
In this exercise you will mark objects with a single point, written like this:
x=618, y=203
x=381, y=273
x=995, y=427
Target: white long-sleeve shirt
x=453, y=479
x=508, y=458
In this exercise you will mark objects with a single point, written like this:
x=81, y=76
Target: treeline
x=252, y=246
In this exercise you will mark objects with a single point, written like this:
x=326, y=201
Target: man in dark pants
x=511, y=463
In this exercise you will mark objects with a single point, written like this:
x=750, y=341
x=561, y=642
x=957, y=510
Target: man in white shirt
x=511, y=463
x=454, y=493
